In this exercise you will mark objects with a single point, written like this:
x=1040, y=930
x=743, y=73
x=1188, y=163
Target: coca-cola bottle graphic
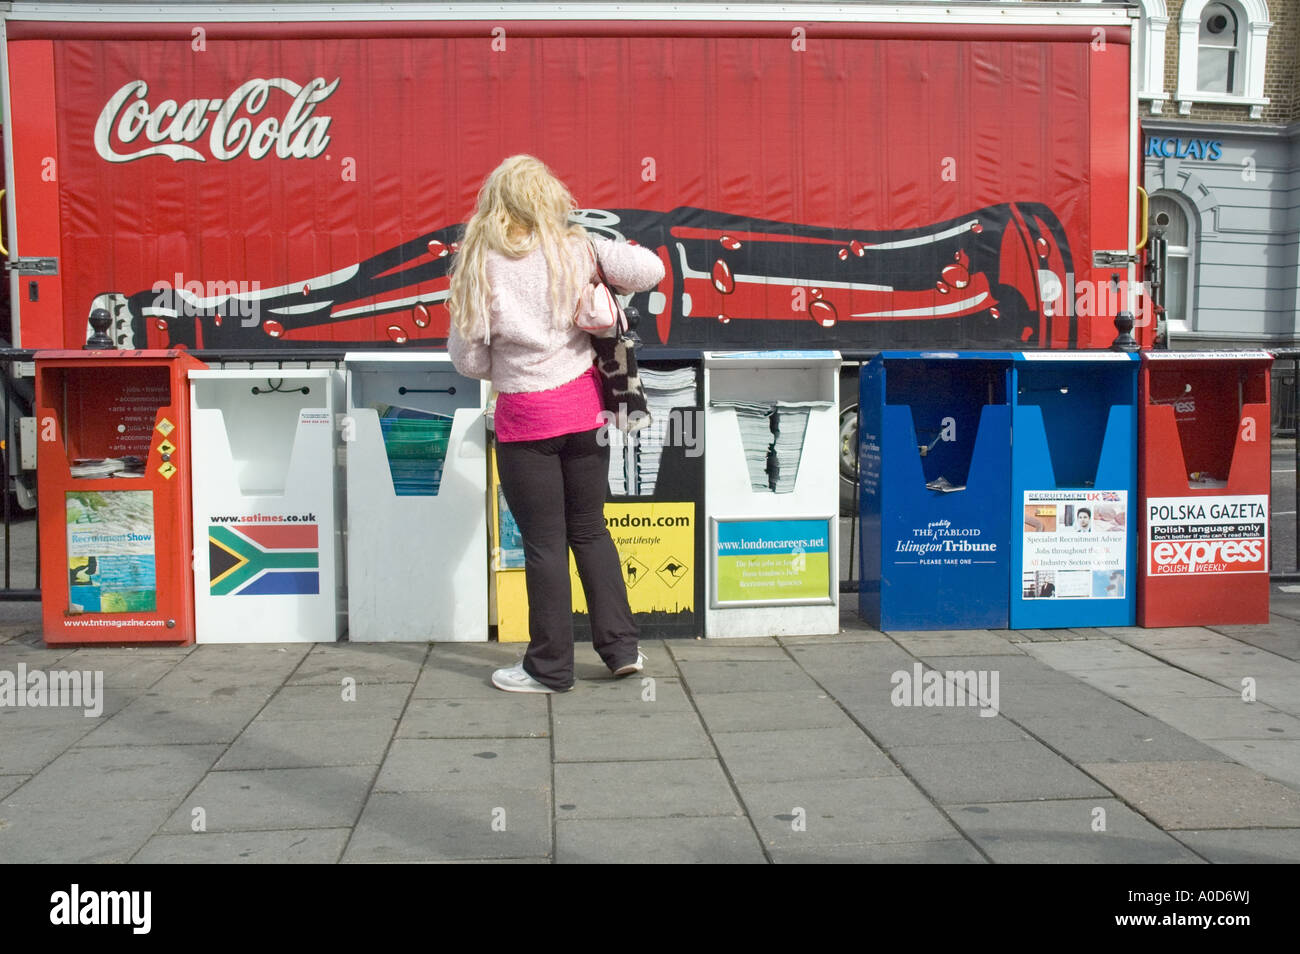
x=993, y=278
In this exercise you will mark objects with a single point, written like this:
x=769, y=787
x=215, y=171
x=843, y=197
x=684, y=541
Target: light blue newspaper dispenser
x=1073, y=489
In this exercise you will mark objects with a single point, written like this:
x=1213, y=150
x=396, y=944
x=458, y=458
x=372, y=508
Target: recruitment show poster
x=1206, y=535
x=111, y=565
x=1075, y=544
x=772, y=561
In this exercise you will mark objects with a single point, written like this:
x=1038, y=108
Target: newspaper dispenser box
x=415, y=439
x=267, y=555
x=935, y=477
x=1073, y=486
x=114, y=496
x=771, y=493
x=1205, y=479
x=654, y=508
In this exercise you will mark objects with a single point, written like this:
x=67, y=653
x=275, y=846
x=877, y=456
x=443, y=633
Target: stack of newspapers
x=790, y=420
x=664, y=390
x=755, y=420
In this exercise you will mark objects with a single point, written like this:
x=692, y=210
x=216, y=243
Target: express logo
x=1193, y=553
x=296, y=134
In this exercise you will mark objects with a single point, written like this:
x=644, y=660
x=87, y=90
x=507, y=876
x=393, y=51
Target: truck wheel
x=849, y=461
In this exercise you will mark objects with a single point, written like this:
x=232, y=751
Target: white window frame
x=1152, y=26
x=1252, y=44
x=1191, y=215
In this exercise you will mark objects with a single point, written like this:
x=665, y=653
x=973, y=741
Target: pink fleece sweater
x=525, y=352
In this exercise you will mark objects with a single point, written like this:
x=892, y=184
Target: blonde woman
x=514, y=289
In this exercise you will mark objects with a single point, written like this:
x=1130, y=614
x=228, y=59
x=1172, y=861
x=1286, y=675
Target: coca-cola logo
x=231, y=125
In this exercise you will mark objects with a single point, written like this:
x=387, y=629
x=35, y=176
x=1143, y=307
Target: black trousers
x=556, y=490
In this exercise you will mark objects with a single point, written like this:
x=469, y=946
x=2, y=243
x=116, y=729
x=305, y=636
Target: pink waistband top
x=537, y=415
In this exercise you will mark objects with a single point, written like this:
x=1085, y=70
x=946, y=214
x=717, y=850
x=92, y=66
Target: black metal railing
x=1286, y=395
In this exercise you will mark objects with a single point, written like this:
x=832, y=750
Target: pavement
x=1110, y=745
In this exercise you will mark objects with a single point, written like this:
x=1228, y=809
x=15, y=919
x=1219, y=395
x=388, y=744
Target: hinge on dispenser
x=1112, y=258
x=33, y=266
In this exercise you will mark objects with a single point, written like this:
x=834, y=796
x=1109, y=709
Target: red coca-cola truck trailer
x=855, y=176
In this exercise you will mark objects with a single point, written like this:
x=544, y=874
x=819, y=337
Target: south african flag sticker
x=252, y=559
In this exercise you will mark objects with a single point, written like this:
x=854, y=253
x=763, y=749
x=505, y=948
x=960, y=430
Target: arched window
x=1222, y=45
x=1218, y=50
x=1171, y=222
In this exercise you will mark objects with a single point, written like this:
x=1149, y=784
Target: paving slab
x=1021, y=670
x=622, y=695
x=1219, y=718
x=331, y=703
x=1201, y=794
x=105, y=833
x=449, y=825
x=128, y=675
x=33, y=657
x=1092, y=654
x=1011, y=771
x=724, y=650
x=509, y=715
x=851, y=661
x=306, y=846
x=234, y=665
x=1229, y=667
x=760, y=711
x=83, y=777
x=1115, y=737
x=793, y=754
x=1280, y=636
x=642, y=734
x=1153, y=682
x=1278, y=759
x=973, y=642
x=1263, y=846
x=27, y=751
x=1171, y=637
x=164, y=721
x=1058, y=699
x=10, y=782
x=275, y=799
x=844, y=637
x=817, y=813
x=735, y=676
x=106, y=703
x=283, y=744
x=631, y=790
x=949, y=851
x=891, y=725
x=426, y=765
x=364, y=662
x=725, y=840
x=1062, y=832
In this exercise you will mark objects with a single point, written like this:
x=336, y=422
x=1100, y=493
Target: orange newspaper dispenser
x=1205, y=478
x=114, y=496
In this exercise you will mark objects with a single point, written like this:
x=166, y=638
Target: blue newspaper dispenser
x=1073, y=489
x=934, y=481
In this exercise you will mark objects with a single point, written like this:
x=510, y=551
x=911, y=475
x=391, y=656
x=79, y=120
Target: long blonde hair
x=521, y=205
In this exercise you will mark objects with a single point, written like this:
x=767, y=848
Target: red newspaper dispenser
x=1204, y=465
x=114, y=496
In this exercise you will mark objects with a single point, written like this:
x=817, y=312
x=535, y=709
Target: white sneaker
x=629, y=668
x=515, y=679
